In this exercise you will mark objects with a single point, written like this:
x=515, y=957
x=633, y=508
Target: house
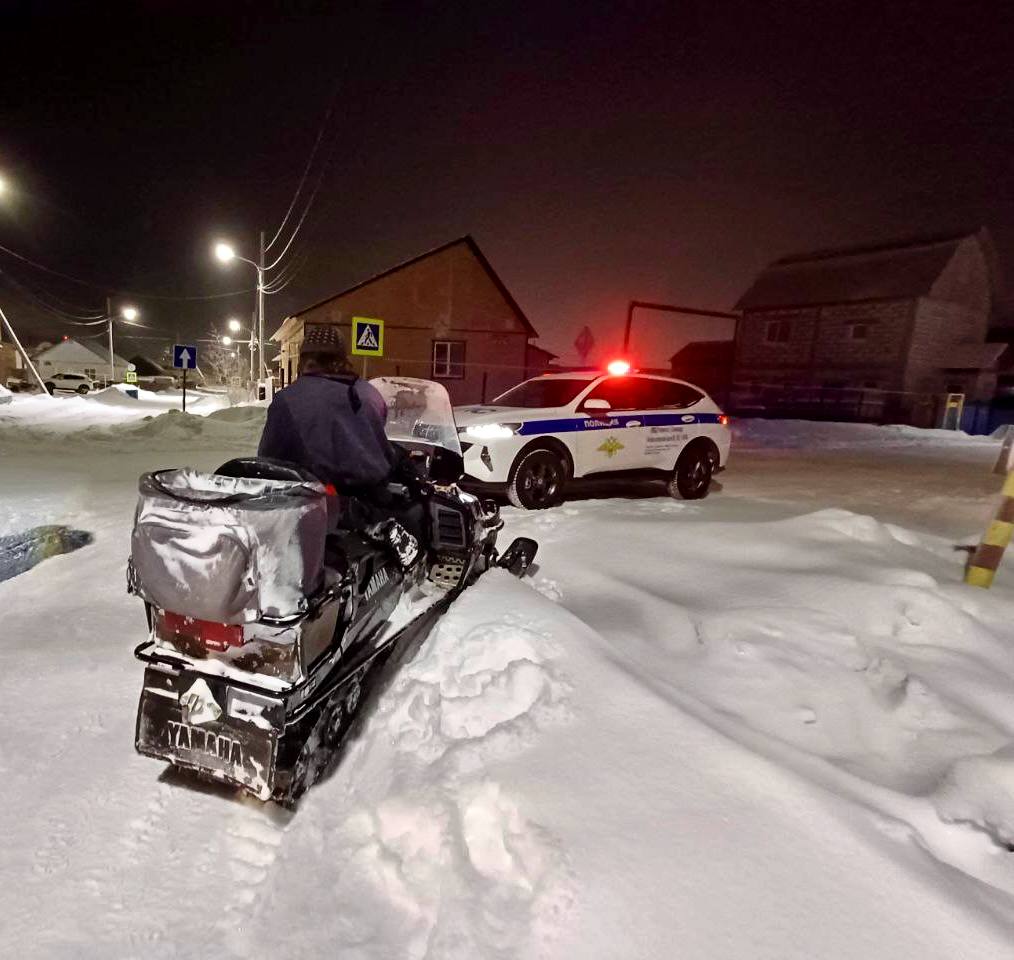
x=877, y=332
x=73, y=356
x=152, y=375
x=708, y=363
x=10, y=363
x=538, y=360
x=447, y=317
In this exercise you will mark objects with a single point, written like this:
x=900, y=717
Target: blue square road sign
x=185, y=356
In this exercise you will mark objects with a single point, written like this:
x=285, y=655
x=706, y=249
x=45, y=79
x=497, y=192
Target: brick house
x=447, y=317
x=882, y=330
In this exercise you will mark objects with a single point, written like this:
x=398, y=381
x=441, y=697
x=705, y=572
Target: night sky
x=597, y=152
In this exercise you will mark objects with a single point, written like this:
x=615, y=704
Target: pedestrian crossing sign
x=367, y=337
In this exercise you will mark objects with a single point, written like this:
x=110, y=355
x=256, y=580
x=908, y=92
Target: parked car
x=69, y=383
x=536, y=437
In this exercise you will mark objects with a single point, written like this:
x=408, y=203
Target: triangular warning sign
x=367, y=339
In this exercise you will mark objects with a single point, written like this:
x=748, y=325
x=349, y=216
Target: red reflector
x=723, y=420
x=330, y=490
x=214, y=636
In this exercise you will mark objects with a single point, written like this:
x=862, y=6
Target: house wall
x=820, y=350
x=447, y=296
x=939, y=325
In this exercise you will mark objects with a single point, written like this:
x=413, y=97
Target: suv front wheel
x=538, y=481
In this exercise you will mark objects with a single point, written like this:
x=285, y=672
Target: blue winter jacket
x=334, y=427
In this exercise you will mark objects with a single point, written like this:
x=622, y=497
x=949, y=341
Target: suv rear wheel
x=692, y=477
x=83, y=389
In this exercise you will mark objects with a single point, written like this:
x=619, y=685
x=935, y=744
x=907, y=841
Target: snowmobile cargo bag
x=228, y=549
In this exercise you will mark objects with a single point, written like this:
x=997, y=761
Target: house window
x=90, y=373
x=778, y=331
x=858, y=331
x=448, y=359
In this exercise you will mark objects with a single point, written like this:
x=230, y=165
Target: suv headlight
x=490, y=431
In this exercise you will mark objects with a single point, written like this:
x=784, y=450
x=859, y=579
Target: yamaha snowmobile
x=263, y=626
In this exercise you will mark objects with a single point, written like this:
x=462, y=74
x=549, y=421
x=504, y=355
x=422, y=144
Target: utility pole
x=109, y=320
x=250, y=350
x=260, y=311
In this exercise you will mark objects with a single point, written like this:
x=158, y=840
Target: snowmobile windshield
x=555, y=392
x=418, y=411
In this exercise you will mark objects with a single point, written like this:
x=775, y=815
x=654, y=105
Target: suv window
x=619, y=391
x=672, y=396
x=640, y=393
x=71, y=376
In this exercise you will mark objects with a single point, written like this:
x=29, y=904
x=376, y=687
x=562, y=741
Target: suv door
x=614, y=439
x=670, y=422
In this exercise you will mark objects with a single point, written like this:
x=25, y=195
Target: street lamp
x=236, y=327
x=226, y=253
x=127, y=313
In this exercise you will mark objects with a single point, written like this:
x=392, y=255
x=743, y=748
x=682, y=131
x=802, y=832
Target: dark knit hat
x=323, y=338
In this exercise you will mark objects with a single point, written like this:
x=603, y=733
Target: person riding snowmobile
x=331, y=423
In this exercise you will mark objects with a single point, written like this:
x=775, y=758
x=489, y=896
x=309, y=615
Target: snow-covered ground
x=771, y=724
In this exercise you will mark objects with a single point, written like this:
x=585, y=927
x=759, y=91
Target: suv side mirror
x=597, y=405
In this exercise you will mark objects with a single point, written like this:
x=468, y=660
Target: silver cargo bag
x=228, y=549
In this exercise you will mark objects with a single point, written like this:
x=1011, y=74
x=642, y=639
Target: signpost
x=367, y=339
x=131, y=375
x=185, y=358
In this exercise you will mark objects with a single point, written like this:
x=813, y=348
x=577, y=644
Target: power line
x=306, y=170
x=110, y=288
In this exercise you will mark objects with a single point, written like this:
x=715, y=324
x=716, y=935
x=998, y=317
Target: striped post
x=984, y=562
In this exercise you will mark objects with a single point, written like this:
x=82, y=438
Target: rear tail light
x=184, y=632
x=723, y=420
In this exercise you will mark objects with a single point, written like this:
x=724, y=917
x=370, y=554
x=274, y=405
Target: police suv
x=542, y=433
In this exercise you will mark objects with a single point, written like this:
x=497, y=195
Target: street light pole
x=109, y=318
x=262, y=370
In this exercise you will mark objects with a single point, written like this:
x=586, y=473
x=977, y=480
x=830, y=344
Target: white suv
x=69, y=383
x=545, y=431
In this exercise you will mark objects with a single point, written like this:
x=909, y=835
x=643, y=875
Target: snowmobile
x=263, y=626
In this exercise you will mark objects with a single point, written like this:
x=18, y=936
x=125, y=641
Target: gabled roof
x=903, y=270
x=146, y=367
x=70, y=342
x=473, y=247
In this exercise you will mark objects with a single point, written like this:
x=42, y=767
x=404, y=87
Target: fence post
x=985, y=560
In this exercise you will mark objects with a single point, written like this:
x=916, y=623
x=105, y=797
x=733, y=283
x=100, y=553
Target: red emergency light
x=618, y=368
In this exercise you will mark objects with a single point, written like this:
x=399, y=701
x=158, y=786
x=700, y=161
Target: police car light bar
x=618, y=368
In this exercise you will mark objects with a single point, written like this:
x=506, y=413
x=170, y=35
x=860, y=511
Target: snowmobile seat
x=262, y=468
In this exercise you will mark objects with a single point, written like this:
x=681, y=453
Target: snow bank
x=979, y=791
x=809, y=434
